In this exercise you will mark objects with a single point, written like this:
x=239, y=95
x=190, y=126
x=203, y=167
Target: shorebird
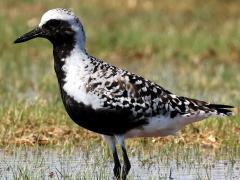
x=108, y=100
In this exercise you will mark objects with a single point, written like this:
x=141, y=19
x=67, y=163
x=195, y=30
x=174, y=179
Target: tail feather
x=221, y=109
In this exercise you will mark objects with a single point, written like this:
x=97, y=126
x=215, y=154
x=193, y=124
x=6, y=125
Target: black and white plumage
x=108, y=100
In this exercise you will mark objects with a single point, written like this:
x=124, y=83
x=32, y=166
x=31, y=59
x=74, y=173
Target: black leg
x=117, y=165
x=126, y=165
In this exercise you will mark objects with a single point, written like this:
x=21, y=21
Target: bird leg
x=127, y=165
x=117, y=166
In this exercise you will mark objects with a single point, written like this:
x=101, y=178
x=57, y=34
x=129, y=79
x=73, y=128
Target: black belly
x=103, y=121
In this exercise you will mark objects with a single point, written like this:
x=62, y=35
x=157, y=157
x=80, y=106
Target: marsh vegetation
x=191, y=47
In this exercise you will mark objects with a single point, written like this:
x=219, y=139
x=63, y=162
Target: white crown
x=58, y=13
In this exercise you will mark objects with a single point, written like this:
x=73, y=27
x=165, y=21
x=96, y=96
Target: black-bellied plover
x=108, y=100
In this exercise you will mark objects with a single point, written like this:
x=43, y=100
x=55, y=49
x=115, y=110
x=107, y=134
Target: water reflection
x=49, y=164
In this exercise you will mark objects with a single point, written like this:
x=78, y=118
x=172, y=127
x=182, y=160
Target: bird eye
x=53, y=23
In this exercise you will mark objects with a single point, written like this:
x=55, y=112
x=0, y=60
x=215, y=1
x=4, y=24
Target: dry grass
x=191, y=47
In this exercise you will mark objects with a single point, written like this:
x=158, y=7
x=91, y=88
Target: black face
x=56, y=31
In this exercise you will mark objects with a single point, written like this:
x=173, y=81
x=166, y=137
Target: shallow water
x=49, y=164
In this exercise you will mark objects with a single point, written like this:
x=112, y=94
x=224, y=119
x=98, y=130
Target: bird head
x=58, y=26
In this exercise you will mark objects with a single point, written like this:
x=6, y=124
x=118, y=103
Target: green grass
x=191, y=48
x=42, y=163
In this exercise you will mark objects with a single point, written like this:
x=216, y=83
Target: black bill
x=37, y=32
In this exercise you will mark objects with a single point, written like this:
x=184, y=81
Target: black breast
x=103, y=121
